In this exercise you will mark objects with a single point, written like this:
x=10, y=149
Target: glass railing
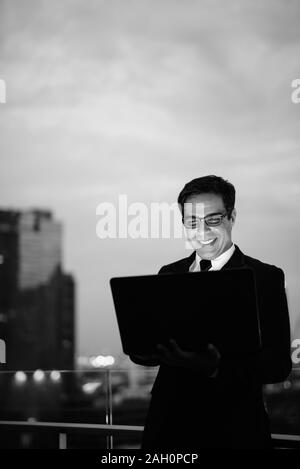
x=105, y=408
x=118, y=397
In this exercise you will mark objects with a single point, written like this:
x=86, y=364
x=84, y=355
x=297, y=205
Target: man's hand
x=206, y=362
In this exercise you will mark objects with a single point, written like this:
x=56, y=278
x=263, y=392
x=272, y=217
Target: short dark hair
x=209, y=184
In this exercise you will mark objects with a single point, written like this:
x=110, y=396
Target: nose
x=202, y=229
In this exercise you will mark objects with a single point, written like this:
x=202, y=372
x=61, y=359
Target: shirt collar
x=221, y=260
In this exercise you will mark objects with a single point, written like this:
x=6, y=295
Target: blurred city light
x=1, y=259
x=38, y=376
x=20, y=377
x=91, y=387
x=31, y=419
x=100, y=361
x=287, y=384
x=55, y=376
x=95, y=361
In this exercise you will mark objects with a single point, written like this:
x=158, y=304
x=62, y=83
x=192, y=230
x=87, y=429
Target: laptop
x=195, y=309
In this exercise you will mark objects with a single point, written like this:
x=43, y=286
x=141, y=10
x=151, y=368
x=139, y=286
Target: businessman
x=205, y=400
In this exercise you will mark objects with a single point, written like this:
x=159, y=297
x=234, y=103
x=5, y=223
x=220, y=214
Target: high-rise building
x=37, y=300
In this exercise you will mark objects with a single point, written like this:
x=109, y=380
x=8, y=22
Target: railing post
x=109, y=438
x=62, y=444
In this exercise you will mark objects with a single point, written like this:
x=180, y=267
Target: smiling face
x=209, y=241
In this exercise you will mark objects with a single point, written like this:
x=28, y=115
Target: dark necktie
x=205, y=264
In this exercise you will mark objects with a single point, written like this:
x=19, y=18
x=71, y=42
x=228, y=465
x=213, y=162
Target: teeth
x=208, y=242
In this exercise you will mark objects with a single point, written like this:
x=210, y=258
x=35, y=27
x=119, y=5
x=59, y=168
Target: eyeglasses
x=210, y=220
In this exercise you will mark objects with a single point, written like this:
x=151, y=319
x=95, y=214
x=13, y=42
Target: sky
x=137, y=97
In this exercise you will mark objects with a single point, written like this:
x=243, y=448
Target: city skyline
x=37, y=298
x=124, y=98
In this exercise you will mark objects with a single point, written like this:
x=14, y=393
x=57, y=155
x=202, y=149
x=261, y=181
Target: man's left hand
x=206, y=362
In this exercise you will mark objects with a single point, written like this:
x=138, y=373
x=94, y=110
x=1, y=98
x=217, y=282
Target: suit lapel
x=236, y=261
x=186, y=263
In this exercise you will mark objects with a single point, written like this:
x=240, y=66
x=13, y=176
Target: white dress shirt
x=217, y=263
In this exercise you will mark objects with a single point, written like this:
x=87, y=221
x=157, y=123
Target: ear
x=233, y=216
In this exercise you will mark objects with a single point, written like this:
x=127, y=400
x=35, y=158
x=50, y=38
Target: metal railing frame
x=109, y=430
x=64, y=429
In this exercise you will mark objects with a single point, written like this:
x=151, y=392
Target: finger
x=210, y=348
x=164, y=355
x=175, y=348
x=213, y=349
x=164, y=352
x=213, y=355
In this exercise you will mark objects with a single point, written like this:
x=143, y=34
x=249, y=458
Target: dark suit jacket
x=191, y=411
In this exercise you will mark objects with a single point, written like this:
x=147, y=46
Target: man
x=204, y=400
